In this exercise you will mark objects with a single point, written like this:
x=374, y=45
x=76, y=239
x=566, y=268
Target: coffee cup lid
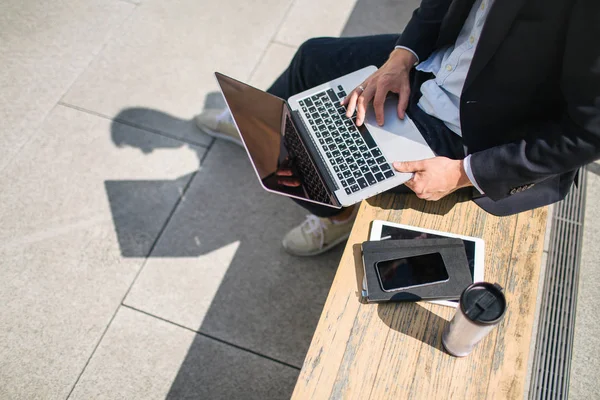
x=483, y=303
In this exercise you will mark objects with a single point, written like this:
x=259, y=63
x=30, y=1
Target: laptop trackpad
x=399, y=140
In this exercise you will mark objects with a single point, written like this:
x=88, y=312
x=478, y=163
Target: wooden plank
x=394, y=350
x=437, y=371
x=509, y=364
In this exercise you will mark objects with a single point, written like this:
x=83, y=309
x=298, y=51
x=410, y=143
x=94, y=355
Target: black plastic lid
x=483, y=303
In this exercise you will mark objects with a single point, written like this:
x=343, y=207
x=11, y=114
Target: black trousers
x=323, y=59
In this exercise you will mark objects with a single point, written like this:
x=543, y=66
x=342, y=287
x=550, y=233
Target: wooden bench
x=394, y=351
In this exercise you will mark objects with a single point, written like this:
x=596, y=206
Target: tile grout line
x=272, y=40
x=132, y=124
x=160, y=233
x=208, y=148
x=213, y=338
x=29, y=139
x=291, y=46
x=102, y=47
x=167, y=221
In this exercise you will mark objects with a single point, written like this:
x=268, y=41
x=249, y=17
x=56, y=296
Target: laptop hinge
x=311, y=147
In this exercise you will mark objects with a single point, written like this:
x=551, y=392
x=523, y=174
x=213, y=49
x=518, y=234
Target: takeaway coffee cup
x=481, y=307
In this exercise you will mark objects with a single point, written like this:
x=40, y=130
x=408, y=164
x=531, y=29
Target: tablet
x=474, y=247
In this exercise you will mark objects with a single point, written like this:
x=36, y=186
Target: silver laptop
x=308, y=149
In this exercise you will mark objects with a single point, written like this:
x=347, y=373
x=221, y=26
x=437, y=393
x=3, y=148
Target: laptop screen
x=275, y=148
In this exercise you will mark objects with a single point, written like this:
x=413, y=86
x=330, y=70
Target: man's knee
x=311, y=45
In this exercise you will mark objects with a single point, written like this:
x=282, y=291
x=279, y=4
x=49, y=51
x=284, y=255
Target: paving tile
x=372, y=17
x=302, y=22
x=62, y=270
x=161, y=62
x=586, y=348
x=219, y=267
x=274, y=62
x=141, y=357
x=44, y=47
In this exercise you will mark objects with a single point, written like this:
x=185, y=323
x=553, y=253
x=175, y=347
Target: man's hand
x=391, y=77
x=435, y=177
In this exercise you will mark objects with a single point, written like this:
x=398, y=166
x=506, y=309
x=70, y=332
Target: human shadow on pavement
x=218, y=228
x=253, y=337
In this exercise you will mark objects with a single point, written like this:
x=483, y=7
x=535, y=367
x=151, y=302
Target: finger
x=284, y=172
x=356, y=90
x=362, y=103
x=403, y=101
x=378, y=103
x=409, y=166
x=431, y=197
x=290, y=182
x=350, y=102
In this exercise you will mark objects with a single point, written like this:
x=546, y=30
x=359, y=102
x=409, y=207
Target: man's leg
x=321, y=60
x=318, y=61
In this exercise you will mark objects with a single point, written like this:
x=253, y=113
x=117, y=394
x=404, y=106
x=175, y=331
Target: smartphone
x=411, y=272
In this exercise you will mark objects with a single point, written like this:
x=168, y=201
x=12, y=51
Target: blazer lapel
x=496, y=27
x=453, y=22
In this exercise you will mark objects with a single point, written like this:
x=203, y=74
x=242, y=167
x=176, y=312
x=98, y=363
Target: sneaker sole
x=320, y=251
x=218, y=135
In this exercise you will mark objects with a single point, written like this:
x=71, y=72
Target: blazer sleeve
x=553, y=147
x=421, y=32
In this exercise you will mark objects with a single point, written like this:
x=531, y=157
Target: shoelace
x=314, y=226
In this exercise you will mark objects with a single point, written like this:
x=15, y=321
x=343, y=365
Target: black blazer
x=530, y=107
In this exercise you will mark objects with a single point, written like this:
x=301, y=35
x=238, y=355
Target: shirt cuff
x=406, y=48
x=469, y=172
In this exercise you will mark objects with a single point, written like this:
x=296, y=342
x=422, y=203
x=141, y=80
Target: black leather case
x=453, y=255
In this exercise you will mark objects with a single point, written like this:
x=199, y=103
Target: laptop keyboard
x=356, y=158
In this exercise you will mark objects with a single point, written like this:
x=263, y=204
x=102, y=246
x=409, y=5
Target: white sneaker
x=218, y=123
x=317, y=235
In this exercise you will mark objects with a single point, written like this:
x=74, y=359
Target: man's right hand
x=391, y=77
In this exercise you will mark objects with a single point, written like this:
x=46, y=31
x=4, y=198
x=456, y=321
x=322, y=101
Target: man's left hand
x=435, y=177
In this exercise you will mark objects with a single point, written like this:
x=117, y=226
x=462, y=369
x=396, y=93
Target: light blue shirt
x=450, y=65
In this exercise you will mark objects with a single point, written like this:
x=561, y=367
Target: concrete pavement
x=131, y=265
x=123, y=272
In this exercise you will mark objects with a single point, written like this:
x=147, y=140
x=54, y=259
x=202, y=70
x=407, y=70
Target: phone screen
x=396, y=233
x=411, y=271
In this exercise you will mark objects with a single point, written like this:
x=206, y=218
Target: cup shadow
x=414, y=320
x=409, y=318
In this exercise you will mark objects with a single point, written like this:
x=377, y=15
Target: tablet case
x=453, y=255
